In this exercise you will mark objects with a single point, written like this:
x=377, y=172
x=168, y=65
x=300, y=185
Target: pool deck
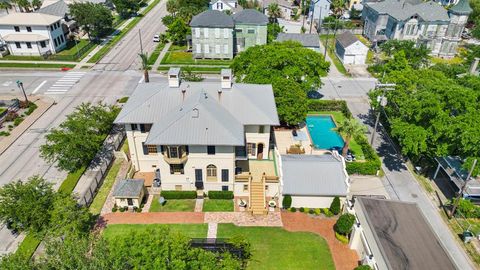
x=284, y=140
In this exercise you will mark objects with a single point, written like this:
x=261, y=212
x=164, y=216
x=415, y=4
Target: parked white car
x=156, y=38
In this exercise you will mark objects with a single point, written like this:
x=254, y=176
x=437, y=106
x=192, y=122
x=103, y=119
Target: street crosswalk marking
x=64, y=84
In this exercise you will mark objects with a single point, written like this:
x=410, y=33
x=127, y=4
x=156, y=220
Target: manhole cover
x=414, y=195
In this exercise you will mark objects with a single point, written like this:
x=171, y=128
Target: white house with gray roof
x=425, y=23
x=310, y=41
x=201, y=135
x=225, y=5
x=350, y=50
x=313, y=180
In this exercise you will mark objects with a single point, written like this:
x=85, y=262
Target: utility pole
x=311, y=18
x=303, y=13
x=455, y=204
x=140, y=37
x=383, y=102
x=20, y=85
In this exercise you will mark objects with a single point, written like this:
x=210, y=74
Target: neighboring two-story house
x=32, y=33
x=203, y=135
x=225, y=5
x=216, y=35
x=425, y=23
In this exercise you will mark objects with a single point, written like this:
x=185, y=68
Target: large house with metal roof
x=32, y=34
x=426, y=23
x=204, y=136
x=217, y=35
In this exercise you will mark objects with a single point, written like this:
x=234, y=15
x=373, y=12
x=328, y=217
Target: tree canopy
x=291, y=69
x=95, y=19
x=126, y=7
x=74, y=144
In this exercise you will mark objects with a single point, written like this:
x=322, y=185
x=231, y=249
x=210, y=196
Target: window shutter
x=225, y=48
x=205, y=32
x=142, y=128
x=207, y=48
x=217, y=32
x=197, y=32
x=145, y=149
x=162, y=148
x=133, y=126
x=186, y=149
x=217, y=48
x=199, y=48
x=224, y=175
x=225, y=33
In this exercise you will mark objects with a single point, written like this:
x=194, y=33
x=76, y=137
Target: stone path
x=212, y=230
x=244, y=219
x=147, y=205
x=110, y=202
x=343, y=257
x=199, y=205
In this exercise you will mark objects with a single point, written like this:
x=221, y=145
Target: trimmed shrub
x=31, y=107
x=341, y=238
x=287, y=201
x=123, y=100
x=311, y=211
x=17, y=121
x=344, y=224
x=327, y=212
x=178, y=195
x=372, y=162
x=115, y=208
x=122, y=209
x=318, y=211
x=293, y=209
x=330, y=105
x=240, y=242
x=11, y=116
x=468, y=209
x=335, y=206
x=302, y=209
x=220, y=195
x=363, y=267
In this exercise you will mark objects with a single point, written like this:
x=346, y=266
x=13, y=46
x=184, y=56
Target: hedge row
x=221, y=195
x=329, y=105
x=173, y=195
x=372, y=162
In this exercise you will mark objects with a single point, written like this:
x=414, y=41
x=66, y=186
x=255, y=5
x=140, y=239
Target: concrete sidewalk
x=161, y=56
x=40, y=62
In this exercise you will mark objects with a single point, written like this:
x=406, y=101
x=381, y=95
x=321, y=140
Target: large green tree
x=95, y=19
x=26, y=206
x=417, y=56
x=74, y=144
x=350, y=128
x=67, y=217
x=177, y=31
x=126, y=7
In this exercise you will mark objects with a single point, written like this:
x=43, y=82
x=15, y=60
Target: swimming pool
x=321, y=131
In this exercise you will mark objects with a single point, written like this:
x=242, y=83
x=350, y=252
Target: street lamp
x=382, y=100
x=20, y=85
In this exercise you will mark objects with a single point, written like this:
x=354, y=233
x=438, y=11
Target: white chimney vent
x=174, y=77
x=226, y=78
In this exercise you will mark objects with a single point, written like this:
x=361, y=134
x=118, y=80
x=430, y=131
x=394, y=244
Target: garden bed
x=182, y=205
x=214, y=205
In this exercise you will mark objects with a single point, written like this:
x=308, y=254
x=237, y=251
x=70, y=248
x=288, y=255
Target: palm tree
x=5, y=4
x=337, y=7
x=36, y=4
x=274, y=12
x=145, y=66
x=349, y=129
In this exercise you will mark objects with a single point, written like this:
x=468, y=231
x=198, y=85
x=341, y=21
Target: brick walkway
x=343, y=257
x=244, y=219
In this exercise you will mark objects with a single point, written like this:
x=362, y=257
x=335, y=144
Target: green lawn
x=155, y=54
x=203, y=70
x=187, y=205
x=275, y=248
x=28, y=245
x=182, y=57
x=72, y=47
x=217, y=205
x=71, y=181
x=107, y=185
x=190, y=230
x=34, y=65
x=339, y=117
x=331, y=53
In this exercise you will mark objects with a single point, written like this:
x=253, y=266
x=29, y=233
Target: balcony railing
x=179, y=160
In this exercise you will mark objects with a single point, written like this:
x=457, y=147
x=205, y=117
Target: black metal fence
x=218, y=245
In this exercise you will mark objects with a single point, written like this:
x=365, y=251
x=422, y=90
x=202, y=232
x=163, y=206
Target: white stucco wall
x=252, y=135
x=355, y=54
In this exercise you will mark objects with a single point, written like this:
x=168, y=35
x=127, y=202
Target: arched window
x=211, y=172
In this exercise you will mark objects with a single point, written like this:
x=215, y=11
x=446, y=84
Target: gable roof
x=250, y=16
x=403, y=236
x=128, y=188
x=212, y=18
x=314, y=175
x=59, y=8
x=403, y=10
x=346, y=39
x=29, y=19
x=220, y=121
x=307, y=40
x=283, y=3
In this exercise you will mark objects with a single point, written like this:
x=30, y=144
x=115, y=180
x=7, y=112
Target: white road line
x=57, y=90
x=141, y=80
x=38, y=87
x=67, y=80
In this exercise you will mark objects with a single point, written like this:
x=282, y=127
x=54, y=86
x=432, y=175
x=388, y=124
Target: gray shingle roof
x=403, y=236
x=403, y=10
x=250, y=16
x=313, y=175
x=346, y=39
x=59, y=8
x=212, y=18
x=462, y=8
x=307, y=40
x=128, y=188
x=157, y=103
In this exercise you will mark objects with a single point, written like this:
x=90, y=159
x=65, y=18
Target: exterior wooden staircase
x=257, y=197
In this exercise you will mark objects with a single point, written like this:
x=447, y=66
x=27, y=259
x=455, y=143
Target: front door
x=260, y=151
x=198, y=178
x=130, y=202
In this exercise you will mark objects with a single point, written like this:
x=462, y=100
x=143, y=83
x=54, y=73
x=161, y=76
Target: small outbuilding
x=310, y=41
x=314, y=180
x=350, y=50
x=129, y=192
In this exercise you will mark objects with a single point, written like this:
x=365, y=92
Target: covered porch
x=452, y=166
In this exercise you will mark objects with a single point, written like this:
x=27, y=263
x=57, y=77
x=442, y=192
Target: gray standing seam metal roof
x=347, y=38
x=59, y=8
x=313, y=175
x=250, y=16
x=170, y=112
x=129, y=188
x=212, y=18
x=403, y=10
x=403, y=235
x=307, y=40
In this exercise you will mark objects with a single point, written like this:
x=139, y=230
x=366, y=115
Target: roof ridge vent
x=195, y=113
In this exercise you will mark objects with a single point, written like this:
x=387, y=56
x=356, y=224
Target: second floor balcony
x=175, y=154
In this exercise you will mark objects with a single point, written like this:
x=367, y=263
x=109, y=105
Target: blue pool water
x=321, y=131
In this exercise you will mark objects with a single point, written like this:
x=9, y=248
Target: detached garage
x=350, y=50
x=314, y=180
